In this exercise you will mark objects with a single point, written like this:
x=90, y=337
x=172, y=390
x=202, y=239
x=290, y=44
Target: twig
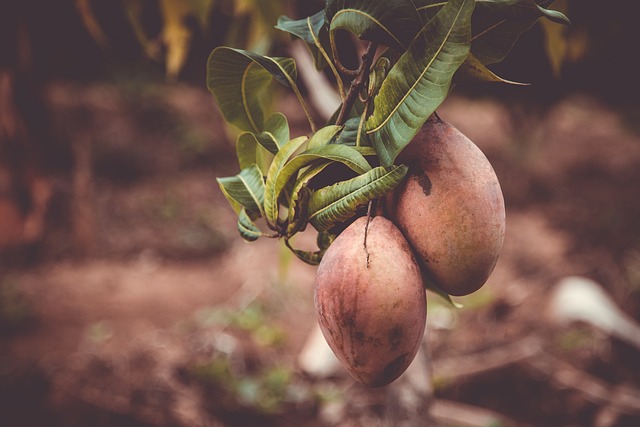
x=370, y=209
x=450, y=412
x=625, y=399
x=528, y=352
x=454, y=413
x=458, y=369
x=357, y=83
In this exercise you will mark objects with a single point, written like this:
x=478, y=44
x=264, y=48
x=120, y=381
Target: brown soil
x=163, y=316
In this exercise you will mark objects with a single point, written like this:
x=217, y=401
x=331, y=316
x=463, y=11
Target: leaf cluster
x=416, y=49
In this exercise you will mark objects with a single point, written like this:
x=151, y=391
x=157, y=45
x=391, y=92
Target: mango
x=450, y=208
x=370, y=301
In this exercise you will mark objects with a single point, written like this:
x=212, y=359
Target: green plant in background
x=268, y=391
x=266, y=387
x=15, y=310
x=249, y=25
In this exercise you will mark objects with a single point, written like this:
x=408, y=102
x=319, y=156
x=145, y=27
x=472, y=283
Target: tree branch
x=357, y=83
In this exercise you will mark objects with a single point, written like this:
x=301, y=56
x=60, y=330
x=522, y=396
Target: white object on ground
x=316, y=357
x=580, y=299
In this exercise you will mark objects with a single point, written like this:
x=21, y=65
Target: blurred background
x=128, y=298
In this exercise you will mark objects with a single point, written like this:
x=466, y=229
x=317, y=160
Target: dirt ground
x=153, y=312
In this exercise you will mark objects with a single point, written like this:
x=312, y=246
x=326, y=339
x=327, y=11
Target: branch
x=457, y=369
x=624, y=398
x=528, y=352
x=357, y=83
x=455, y=413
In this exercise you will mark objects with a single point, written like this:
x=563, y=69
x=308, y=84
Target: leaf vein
x=385, y=29
x=413, y=86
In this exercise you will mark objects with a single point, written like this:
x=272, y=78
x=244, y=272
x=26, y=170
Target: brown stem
x=357, y=83
x=371, y=209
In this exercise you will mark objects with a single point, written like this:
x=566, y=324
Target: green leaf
x=366, y=151
x=324, y=136
x=275, y=134
x=238, y=85
x=498, y=24
x=427, y=9
x=349, y=134
x=419, y=82
x=238, y=78
x=311, y=258
x=298, y=213
x=344, y=154
x=393, y=23
x=248, y=230
x=298, y=217
x=271, y=195
x=556, y=39
x=313, y=32
x=325, y=239
x=252, y=149
x=348, y=156
x=246, y=146
x=339, y=202
x=245, y=190
x=553, y=15
x=474, y=70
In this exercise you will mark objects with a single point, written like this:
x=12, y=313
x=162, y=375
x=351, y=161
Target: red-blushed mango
x=450, y=208
x=370, y=301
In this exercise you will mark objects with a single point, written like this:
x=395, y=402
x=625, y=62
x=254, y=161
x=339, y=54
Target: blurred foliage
x=248, y=24
x=266, y=391
x=253, y=319
x=592, y=55
x=15, y=310
x=263, y=385
x=83, y=39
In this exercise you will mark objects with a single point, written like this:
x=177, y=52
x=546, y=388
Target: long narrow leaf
x=392, y=23
x=298, y=214
x=419, y=82
x=246, y=147
x=311, y=258
x=271, y=195
x=238, y=85
x=247, y=228
x=245, y=190
x=474, y=70
x=315, y=34
x=238, y=78
x=499, y=23
x=324, y=136
x=348, y=156
x=275, y=134
x=339, y=202
x=312, y=31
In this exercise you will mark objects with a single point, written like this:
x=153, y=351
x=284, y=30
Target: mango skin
x=371, y=303
x=450, y=208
